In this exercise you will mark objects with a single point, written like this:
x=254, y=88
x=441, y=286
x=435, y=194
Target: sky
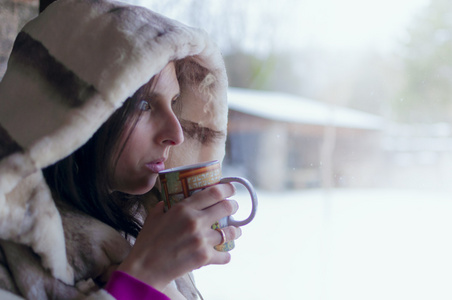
x=293, y=24
x=352, y=24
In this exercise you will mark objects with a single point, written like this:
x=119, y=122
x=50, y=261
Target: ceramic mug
x=181, y=182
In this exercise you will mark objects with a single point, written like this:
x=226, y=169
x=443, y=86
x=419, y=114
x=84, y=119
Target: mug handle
x=250, y=188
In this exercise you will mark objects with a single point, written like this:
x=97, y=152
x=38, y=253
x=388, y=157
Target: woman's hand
x=181, y=240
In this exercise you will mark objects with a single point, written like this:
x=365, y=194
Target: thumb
x=158, y=209
x=154, y=214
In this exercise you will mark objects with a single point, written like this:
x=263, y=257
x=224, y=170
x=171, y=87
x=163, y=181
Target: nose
x=171, y=130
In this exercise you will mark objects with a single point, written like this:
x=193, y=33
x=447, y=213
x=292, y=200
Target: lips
x=156, y=165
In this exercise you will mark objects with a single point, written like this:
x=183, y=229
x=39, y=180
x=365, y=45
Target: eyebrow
x=154, y=94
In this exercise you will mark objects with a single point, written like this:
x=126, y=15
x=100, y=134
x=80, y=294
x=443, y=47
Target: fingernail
x=239, y=232
x=236, y=206
x=234, y=190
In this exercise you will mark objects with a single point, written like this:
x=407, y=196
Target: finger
x=232, y=233
x=222, y=236
x=211, y=195
x=220, y=210
x=220, y=258
x=155, y=211
x=226, y=234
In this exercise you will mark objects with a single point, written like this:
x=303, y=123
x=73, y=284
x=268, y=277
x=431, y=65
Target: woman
x=101, y=96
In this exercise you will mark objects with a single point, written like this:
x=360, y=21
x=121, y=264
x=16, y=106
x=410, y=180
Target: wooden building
x=283, y=141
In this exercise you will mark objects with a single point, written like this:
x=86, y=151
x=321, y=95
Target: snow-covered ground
x=347, y=244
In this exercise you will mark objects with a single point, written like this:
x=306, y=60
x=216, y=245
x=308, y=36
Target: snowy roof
x=285, y=107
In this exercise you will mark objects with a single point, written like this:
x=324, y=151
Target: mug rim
x=190, y=167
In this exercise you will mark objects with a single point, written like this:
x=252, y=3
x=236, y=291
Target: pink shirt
x=123, y=286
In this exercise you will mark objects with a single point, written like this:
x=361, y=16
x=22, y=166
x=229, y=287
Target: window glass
x=340, y=115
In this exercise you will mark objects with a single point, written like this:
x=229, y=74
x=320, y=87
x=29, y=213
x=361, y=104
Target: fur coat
x=69, y=70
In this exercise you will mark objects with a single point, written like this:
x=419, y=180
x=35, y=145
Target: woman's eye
x=175, y=100
x=144, y=105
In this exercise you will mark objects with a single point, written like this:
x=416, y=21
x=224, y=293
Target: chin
x=144, y=188
x=138, y=186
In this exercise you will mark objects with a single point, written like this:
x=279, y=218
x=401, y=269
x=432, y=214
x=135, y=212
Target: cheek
x=135, y=146
x=119, y=171
x=124, y=164
x=130, y=176
x=128, y=160
x=131, y=180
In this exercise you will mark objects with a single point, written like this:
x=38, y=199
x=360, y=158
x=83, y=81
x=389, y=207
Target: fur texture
x=69, y=70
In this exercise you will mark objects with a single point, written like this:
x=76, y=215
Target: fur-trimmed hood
x=69, y=70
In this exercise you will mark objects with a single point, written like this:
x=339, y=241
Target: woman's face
x=148, y=146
